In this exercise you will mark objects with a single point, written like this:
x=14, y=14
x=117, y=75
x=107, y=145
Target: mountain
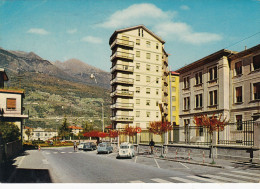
x=82, y=72
x=53, y=93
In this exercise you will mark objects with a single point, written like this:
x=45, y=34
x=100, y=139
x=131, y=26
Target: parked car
x=126, y=150
x=104, y=147
x=80, y=146
x=89, y=146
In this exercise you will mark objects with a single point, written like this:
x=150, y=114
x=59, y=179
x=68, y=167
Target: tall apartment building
x=245, y=85
x=204, y=89
x=139, y=78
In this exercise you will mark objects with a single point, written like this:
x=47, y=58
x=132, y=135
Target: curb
x=195, y=163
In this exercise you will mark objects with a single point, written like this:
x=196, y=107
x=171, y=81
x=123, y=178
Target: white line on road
x=70, y=152
x=156, y=163
x=63, y=152
x=183, y=180
x=184, y=165
x=246, y=173
x=55, y=152
x=160, y=180
x=135, y=159
x=240, y=176
x=204, y=179
x=136, y=181
x=225, y=179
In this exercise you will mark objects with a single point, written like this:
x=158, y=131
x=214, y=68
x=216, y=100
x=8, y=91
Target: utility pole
x=103, y=124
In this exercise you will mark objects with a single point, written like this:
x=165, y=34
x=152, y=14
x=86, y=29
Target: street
x=63, y=165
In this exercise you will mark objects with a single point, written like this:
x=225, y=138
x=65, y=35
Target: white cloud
x=72, y=31
x=161, y=22
x=185, y=7
x=92, y=39
x=38, y=31
x=136, y=14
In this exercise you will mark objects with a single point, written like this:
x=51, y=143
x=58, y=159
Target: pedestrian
x=75, y=145
x=151, y=144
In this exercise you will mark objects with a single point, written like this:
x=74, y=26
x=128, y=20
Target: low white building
x=75, y=129
x=43, y=134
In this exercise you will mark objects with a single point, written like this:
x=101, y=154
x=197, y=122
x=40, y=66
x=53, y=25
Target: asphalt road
x=63, y=165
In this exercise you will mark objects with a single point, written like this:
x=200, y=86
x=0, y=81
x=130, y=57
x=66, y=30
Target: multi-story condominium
x=11, y=103
x=204, y=89
x=245, y=85
x=173, y=103
x=139, y=77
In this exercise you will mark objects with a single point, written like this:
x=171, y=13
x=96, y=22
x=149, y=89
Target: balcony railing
x=165, y=90
x=165, y=100
x=122, y=42
x=4, y=112
x=122, y=93
x=124, y=55
x=122, y=118
x=122, y=80
x=121, y=67
x=122, y=105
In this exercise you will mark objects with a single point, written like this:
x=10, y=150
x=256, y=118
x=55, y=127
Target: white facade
x=42, y=134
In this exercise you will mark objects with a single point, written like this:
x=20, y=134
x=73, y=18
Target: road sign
x=138, y=130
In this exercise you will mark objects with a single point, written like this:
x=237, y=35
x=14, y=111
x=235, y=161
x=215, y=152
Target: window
x=157, y=68
x=148, y=114
x=157, y=103
x=173, y=89
x=238, y=68
x=186, y=103
x=138, y=66
x=256, y=62
x=45, y=134
x=147, y=102
x=137, y=53
x=137, y=101
x=142, y=33
x=198, y=101
x=213, y=74
x=148, y=44
x=186, y=82
x=137, y=41
x=239, y=122
x=137, y=90
x=157, y=80
x=186, y=122
x=173, y=108
x=213, y=98
x=137, y=77
x=147, y=90
x=157, y=46
x=148, y=55
x=238, y=94
x=173, y=98
x=157, y=57
x=256, y=91
x=157, y=91
x=173, y=79
x=157, y=114
x=198, y=78
x=148, y=67
x=174, y=118
x=148, y=79
x=11, y=104
x=137, y=114
x=139, y=32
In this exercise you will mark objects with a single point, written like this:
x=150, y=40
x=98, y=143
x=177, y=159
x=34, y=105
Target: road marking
x=55, y=152
x=63, y=152
x=203, y=179
x=45, y=161
x=135, y=159
x=184, y=165
x=47, y=153
x=19, y=164
x=70, y=152
x=183, y=180
x=246, y=173
x=240, y=176
x=160, y=180
x=137, y=181
x=156, y=163
x=225, y=179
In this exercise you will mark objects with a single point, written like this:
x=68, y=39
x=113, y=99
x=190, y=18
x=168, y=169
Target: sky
x=65, y=29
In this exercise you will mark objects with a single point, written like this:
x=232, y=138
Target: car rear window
x=102, y=145
x=124, y=147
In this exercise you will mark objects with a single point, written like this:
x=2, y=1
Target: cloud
x=38, y=31
x=184, y=7
x=72, y=31
x=136, y=14
x=92, y=39
x=161, y=22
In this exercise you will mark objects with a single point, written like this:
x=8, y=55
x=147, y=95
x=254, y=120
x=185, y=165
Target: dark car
x=89, y=146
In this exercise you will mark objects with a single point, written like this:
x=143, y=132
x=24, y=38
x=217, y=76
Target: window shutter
x=11, y=103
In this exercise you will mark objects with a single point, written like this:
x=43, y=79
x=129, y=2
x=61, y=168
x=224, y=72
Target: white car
x=80, y=146
x=126, y=150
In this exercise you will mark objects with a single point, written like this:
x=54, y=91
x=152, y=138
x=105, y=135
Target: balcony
x=12, y=113
x=122, y=80
x=165, y=81
x=122, y=93
x=123, y=55
x=165, y=90
x=119, y=105
x=122, y=118
x=165, y=60
x=121, y=67
x=122, y=42
x=165, y=100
